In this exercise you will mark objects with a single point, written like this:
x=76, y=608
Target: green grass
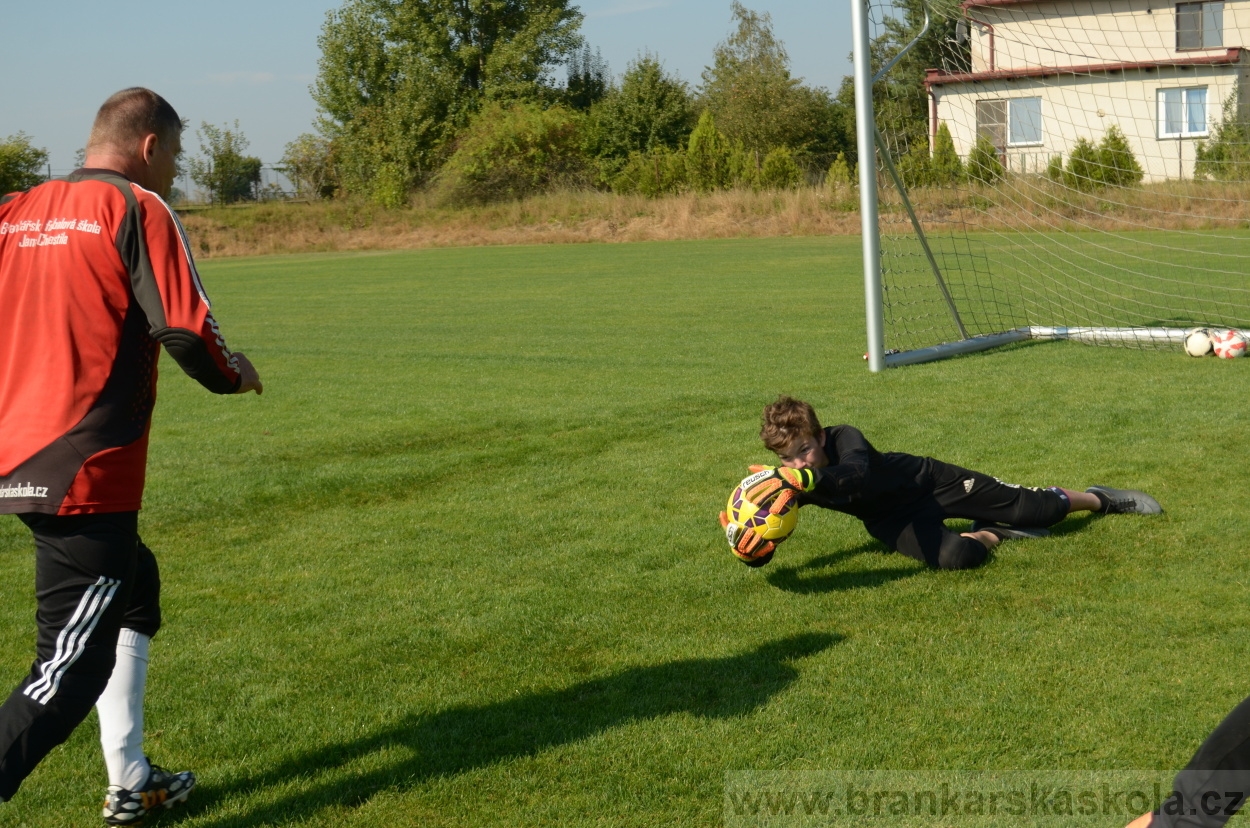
x=460, y=564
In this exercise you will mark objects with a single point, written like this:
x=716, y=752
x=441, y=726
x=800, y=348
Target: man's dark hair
x=129, y=115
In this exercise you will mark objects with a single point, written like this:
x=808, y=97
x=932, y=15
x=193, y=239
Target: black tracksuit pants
x=1216, y=782
x=918, y=530
x=93, y=576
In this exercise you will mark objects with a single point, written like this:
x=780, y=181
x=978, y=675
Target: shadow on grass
x=1074, y=524
x=461, y=739
x=811, y=577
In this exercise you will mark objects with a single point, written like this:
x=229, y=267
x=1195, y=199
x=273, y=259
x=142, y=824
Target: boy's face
x=807, y=452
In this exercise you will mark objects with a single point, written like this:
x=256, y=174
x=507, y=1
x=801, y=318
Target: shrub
x=309, y=162
x=222, y=169
x=1084, y=170
x=840, y=175
x=1226, y=156
x=656, y=173
x=780, y=171
x=744, y=167
x=983, y=163
x=1116, y=162
x=707, y=156
x=21, y=163
x=515, y=151
x=946, y=166
x=1054, y=169
x=915, y=167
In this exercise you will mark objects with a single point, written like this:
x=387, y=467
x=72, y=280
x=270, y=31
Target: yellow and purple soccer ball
x=748, y=515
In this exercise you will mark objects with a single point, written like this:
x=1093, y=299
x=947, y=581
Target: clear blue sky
x=253, y=61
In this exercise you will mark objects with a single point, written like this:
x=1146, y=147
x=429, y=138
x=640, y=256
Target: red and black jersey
x=95, y=271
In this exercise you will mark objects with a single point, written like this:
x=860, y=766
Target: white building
x=1045, y=73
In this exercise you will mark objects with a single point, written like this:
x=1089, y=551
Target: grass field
x=460, y=564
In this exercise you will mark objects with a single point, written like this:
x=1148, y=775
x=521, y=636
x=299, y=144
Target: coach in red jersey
x=95, y=275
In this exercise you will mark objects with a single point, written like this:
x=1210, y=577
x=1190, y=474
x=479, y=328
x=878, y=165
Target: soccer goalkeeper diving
x=904, y=500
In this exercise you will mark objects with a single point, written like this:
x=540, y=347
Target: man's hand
x=748, y=546
x=776, y=487
x=251, y=379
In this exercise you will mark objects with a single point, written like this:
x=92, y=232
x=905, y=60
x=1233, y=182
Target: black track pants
x=918, y=529
x=1216, y=782
x=92, y=577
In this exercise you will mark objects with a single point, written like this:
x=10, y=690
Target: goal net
x=1052, y=169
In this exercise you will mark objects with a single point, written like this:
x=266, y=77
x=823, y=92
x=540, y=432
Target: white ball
x=1228, y=344
x=1198, y=343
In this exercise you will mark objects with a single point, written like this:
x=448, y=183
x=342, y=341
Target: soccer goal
x=1051, y=169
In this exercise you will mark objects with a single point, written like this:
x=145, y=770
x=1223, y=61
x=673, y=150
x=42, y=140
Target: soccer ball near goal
x=1228, y=344
x=773, y=526
x=1033, y=117
x=1198, y=342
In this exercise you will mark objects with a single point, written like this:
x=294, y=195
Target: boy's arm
x=849, y=464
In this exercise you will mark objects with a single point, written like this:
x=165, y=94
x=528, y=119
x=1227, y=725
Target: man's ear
x=820, y=438
x=147, y=147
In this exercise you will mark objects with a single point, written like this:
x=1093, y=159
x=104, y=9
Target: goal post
x=1051, y=169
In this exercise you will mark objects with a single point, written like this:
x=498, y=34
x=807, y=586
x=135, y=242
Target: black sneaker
x=162, y=790
x=1016, y=532
x=1125, y=501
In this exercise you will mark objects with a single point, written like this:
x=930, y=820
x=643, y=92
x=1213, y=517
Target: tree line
x=462, y=98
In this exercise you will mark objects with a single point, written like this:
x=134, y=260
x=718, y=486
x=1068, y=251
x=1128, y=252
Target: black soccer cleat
x=1014, y=532
x=162, y=790
x=1125, y=501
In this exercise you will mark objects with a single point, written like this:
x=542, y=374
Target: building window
x=1010, y=123
x=1199, y=25
x=1183, y=112
x=1024, y=117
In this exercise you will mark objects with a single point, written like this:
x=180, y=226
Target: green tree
x=308, y=161
x=1084, y=170
x=916, y=167
x=513, y=151
x=983, y=164
x=1054, y=169
x=1115, y=158
x=398, y=79
x=748, y=88
x=744, y=166
x=707, y=157
x=658, y=172
x=840, y=176
x=779, y=170
x=222, y=169
x=21, y=163
x=588, y=79
x=947, y=168
x=900, y=101
x=649, y=110
x=1226, y=155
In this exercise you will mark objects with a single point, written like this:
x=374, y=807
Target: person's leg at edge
x=84, y=571
x=120, y=706
x=1215, y=785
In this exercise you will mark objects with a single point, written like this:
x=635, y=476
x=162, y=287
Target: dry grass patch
x=567, y=217
x=1026, y=202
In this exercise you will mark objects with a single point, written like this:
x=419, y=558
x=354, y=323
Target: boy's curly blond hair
x=787, y=420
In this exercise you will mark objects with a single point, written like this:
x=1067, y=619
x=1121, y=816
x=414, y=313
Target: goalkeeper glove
x=746, y=544
x=779, y=486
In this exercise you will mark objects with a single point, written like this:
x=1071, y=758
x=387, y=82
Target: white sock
x=120, y=708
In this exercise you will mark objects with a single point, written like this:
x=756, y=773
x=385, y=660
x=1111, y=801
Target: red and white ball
x=1228, y=344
